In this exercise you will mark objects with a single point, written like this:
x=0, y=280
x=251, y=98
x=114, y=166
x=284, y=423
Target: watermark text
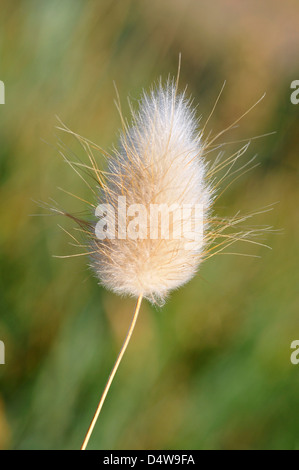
x=2, y=352
x=295, y=354
x=2, y=93
x=295, y=95
x=155, y=221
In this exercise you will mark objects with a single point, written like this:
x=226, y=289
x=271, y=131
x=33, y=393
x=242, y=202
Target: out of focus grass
x=211, y=369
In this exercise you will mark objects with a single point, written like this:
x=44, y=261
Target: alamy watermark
x=2, y=93
x=295, y=95
x=155, y=221
x=2, y=352
x=295, y=354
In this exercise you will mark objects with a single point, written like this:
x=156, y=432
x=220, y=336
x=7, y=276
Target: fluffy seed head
x=154, y=223
x=159, y=162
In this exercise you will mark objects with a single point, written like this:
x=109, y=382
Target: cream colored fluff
x=159, y=161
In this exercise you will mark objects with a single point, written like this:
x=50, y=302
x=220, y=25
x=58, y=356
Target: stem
x=112, y=373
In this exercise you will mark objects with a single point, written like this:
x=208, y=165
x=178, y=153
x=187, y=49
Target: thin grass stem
x=112, y=373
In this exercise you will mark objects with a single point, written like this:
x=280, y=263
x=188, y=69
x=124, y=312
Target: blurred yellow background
x=211, y=369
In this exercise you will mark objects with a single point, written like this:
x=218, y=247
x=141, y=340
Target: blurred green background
x=211, y=369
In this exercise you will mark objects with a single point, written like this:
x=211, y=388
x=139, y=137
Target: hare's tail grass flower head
x=153, y=223
x=157, y=171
